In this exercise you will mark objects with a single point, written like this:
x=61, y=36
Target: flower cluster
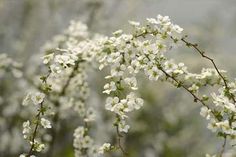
x=36, y=98
x=221, y=115
x=127, y=55
x=123, y=106
x=124, y=56
x=84, y=144
x=105, y=147
x=68, y=78
x=30, y=128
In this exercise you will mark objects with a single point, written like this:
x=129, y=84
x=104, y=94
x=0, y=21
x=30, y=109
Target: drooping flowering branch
x=203, y=54
x=124, y=56
x=29, y=132
x=227, y=89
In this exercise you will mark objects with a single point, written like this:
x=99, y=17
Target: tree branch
x=202, y=53
x=35, y=130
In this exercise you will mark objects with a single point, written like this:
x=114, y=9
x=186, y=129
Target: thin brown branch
x=202, y=53
x=181, y=85
x=31, y=82
x=35, y=130
x=119, y=136
x=223, y=147
x=195, y=99
x=184, y=87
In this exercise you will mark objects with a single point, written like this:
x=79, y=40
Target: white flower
x=230, y=106
x=45, y=123
x=119, y=109
x=40, y=147
x=163, y=20
x=66, y=59
x=153, y=73
x=177, y=29
x=152, y=20
x=118, y=32
x=105, y=147
x=132, y=82
x=81, y=140
x=208, y=155
x=79, y=132
x=138, y=103
x=134, y=23
x=193, y=88
x=24, y=155
x=47, y=58
x=123, y=127
x=205, y=112
x=134, y=67
x=80, y=108
x=224, y=125
x=26, y=100
x=90, y=115
x=55, y=68
x=110, y=102
x=223, y=101
x=117, y=70
x=212, y=126
x=109, y=87
x=87, y=142
x=26, y=129
x=37, y=98
x=133, y=102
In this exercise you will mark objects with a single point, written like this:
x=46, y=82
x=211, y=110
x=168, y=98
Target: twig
x=196, y=99
x=202, y=53
x=184, y=87
x=56, y=103
x=223, y=147
x=119, y=136
x=35, y=130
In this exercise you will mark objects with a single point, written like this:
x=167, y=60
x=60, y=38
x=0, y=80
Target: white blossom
x=123, y=127
x=45, y=123
x=134, y=23
x=208, y=155
x=27, y=100
x=110, y=102
x=47, y=58
x=205, y=112
x=132, y=82
x=90, y=115
x=109, y=87
x=37, y=97
x=24, y=155
x=26, y=129
x=105, y=147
